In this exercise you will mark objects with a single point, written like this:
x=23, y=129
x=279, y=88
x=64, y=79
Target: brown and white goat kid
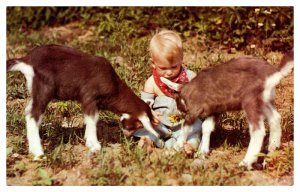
x=243, y=83
x=58, y=72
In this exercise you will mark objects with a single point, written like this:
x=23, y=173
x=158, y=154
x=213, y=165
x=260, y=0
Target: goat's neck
x=125, y=101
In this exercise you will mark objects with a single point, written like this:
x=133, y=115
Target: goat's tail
x=286, y=66
x=10, y=63
x=287, y=63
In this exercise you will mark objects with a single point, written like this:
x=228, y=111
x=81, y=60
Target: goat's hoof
x=273, y=148
x=245, y=164
x=39, y=157
x=203, y=150
x=200, y=155
x=264, y=164
x=94, y=147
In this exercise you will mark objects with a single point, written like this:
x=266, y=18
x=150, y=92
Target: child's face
x=166, y=69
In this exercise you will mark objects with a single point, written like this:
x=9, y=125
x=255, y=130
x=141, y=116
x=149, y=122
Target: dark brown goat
x=244, y=83
x=58, y=72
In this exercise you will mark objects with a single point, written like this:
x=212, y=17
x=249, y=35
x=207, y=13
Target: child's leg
x=163, y=131
x=144, y=140
x=146, y=143
x=193, y=140
x=148, y=138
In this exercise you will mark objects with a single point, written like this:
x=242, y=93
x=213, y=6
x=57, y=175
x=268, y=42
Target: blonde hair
x=166, y=45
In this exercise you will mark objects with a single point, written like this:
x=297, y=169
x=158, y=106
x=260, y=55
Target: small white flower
x=260, y=24
x=252, y=46
x=256, y=10
x=273, y=24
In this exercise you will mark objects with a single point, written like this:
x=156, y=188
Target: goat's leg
x=184, y=132
x=207, y=127
x=41, y=95
x=257, y=134
x=90, y=119
x=32, y=129
x=33, y=112
x=274, y=120
x=186, y=129
x=91, y=132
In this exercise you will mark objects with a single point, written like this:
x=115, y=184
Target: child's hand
x=156, y=117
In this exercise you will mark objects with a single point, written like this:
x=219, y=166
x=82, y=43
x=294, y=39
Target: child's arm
x=149, y=86
x=148, y=95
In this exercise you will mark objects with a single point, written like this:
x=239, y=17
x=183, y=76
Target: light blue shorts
x=168, y=130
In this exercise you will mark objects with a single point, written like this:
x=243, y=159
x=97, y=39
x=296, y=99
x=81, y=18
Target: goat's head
x=130, y=124
x=181, y=103
x=133, y=122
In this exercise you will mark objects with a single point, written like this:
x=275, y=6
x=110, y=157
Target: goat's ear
x=176, y=96
x=170, y=84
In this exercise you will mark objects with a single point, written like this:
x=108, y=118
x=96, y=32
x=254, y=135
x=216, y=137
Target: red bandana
x=182, y=78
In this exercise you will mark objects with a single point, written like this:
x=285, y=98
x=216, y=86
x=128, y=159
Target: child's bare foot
x=189, y=149
x=145, y=142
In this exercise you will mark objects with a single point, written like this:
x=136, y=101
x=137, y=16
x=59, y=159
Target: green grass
x=120, y=162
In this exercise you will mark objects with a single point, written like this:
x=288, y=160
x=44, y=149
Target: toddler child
x=166, y=56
